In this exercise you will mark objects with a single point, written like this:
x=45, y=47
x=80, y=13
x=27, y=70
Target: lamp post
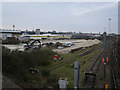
x=13, y=27
x=109, y=24
x=109, y=31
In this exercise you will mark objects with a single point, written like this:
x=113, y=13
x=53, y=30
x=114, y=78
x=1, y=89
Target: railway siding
x=67, y=70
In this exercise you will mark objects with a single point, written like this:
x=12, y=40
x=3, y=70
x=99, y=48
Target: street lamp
x=109, y=24
x=109, y=30
x=13, y=27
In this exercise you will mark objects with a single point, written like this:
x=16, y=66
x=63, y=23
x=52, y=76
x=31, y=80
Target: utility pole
x=76, y=75
x=104, y=55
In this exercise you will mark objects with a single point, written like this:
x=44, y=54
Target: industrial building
x=45, y=36
x=4, y=33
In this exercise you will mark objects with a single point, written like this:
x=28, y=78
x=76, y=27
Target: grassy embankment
x=16, y=66
x=68, y=69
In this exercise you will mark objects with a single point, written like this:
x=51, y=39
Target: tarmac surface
x=78, y=43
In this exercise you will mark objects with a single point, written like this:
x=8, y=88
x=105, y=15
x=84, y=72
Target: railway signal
x=102, y=60
x=107, y=60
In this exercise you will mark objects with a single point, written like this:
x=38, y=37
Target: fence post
x=76, y=75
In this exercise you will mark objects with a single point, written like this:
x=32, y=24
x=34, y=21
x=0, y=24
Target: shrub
x=16, y=62
x=45, y=72
x=16, y=65
x=11, y=40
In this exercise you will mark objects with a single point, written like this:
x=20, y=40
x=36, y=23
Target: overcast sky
x=61, y=16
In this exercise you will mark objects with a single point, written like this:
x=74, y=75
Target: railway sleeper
x=89, y=78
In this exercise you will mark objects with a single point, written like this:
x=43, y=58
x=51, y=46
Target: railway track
x=115, y=70
x=90, y=75
x=71, y=60
x=96, y=64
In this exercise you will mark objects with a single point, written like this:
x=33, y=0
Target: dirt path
x=7, y=83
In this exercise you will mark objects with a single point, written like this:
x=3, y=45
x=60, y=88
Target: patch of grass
x=68, y=69
x=19, y=62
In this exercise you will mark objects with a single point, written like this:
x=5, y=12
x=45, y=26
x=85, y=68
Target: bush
x=45, y=72
x=53, y=81
x=17, y=63
x=11, y=40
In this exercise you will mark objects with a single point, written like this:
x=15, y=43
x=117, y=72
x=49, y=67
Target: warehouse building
x=4, y=33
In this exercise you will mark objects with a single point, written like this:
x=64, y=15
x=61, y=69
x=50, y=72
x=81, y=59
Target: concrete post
x=76, y=75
